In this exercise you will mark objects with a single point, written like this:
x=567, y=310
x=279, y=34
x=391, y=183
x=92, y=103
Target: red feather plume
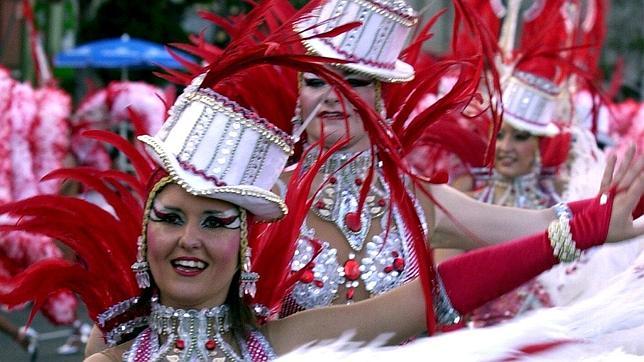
x=104, y=243
x=269, y=43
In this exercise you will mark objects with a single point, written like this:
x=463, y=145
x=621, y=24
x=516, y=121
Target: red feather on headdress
x=282, y=47
x=105, y=243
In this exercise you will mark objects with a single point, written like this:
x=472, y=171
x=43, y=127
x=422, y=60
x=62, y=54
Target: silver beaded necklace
x=337, y=202
x=190, y=335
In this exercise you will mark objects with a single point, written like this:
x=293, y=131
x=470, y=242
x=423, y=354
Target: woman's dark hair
x=241, y=316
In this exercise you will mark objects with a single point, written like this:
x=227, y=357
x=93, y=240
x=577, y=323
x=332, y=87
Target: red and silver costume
x=108, y=242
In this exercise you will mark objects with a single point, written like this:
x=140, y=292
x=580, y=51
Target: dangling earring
x=380, y=103
x=141, y=267
x=296, y=121
x=248, y=279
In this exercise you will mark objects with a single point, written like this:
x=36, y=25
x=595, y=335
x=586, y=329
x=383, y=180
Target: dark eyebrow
x=347, y=74
x=156, y=206
x=218, y=212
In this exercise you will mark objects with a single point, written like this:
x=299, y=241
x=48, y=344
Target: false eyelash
x=227, y=220
x=314, y=82
x=157, y=215
x=357, y=83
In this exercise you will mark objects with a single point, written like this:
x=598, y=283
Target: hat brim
x=402, y=72
x=265, y=205
x=547, y=131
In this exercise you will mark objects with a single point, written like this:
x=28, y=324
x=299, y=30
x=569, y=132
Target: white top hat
x=374, y=47
x=213, y=147
x=530, y=103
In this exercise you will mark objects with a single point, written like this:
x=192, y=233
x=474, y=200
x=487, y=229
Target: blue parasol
x=123, y=53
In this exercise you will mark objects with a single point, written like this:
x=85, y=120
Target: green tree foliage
x=155, y=20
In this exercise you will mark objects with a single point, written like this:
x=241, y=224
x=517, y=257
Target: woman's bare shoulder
x=112, y=354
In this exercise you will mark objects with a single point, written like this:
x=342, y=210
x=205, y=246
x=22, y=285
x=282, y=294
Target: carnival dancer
x=194, y=253
x=529, y=145
x=520, y=179
x=366, y=250
x=193, y=244
x=534, y=168
x=197, y=239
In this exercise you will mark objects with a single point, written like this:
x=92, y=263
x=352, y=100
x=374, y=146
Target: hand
x=628, y=184
x=610, y=177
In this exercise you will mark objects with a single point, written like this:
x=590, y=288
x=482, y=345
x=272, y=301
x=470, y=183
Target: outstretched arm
x=490, y=272
x=470, y=280
x=400, y=312
x=468, y=224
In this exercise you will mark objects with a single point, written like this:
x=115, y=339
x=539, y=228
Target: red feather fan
x=105, y=243
x=263, y=48
x=280, y=46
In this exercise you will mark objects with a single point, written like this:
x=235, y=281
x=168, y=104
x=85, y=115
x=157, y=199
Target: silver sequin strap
x=562, y=209
x=445, y=312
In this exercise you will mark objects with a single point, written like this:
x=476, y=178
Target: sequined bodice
x=374, y=263
x=388, y=261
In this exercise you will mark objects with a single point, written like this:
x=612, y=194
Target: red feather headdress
x=106, y=243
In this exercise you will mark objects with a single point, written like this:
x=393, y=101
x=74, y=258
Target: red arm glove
x=474, y=278
x=639, y=209
x=578, y=206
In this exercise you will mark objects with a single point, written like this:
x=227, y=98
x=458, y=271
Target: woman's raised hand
x=628, y=184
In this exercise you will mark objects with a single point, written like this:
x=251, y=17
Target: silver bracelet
x=562, y=209
x=563, y=247
x=445, y=312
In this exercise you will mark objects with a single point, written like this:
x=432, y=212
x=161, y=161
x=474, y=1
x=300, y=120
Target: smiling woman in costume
x=194, y=262
x=194, y=256
x=195, y=244
x=216, y=163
